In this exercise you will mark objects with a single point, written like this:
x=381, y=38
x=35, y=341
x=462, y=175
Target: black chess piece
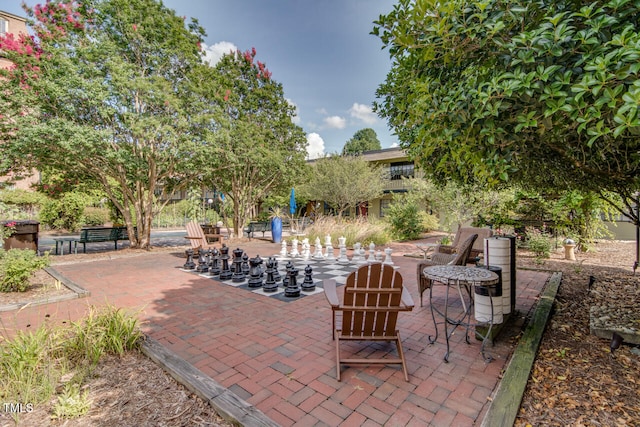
x=214, y=264
x=203, y=261
x=225, y=273
x=308, y=285
x=276, y=273
x=189, y=265
x=270, y=284
x=292, y=290
x=255, y=281
x=238, y=274
x=285, y=279
x=245, y=264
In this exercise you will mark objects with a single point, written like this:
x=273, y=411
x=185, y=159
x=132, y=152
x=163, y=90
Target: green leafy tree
x=363, y=140
x=103, y=91
x=260, y=151
x=343, y=182
x=541, y=93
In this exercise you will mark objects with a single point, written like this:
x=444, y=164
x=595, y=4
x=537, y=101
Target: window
x=384, y=205
x=4, y=26
x=401, y=169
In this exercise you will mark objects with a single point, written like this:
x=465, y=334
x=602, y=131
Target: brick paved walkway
x=280, y=356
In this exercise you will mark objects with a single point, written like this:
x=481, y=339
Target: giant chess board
x=321, y=270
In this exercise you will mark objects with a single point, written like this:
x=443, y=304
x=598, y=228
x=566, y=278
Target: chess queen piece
x=225, y=273
x=255, y=281
x=307, y=284
x=270, y=284
x=317, y=254
x=238, y=274
x=189, y=265
x=292, y=290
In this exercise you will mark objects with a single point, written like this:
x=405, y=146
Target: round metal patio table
x=460, y=277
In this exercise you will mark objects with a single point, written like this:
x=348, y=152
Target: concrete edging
x=507, y=398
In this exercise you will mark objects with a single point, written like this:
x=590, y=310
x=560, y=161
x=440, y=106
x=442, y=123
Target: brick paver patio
x=279, y=356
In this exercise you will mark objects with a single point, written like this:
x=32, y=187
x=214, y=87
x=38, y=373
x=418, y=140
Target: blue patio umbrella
x=292, y=202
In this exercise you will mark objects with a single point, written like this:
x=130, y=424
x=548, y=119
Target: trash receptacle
x=24, y=235
x=487, y=297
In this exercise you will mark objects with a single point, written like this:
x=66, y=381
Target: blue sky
x=320, y=50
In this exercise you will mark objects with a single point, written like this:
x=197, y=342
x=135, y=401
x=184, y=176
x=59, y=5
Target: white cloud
x=335, y=122
x=363, y=113
x=213, y=53
x=322, y=111
x=315, y=146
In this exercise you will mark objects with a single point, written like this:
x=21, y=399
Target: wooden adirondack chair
x=197, y=238
x=459, y=257
x=373, y=297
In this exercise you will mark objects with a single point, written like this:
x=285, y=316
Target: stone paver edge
x=227, y=404
x=507, y=398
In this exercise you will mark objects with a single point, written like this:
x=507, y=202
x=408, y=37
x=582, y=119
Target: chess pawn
x=308, y=285
x=327, y=240
x=356, y=253
x=378, y=256
x=342, y=257
x=387, y=257
x=189, y=265
x=214, y=266
x=294, y=248
x=342, y=241
x=372, y=252
x=329, y=251
x=283, y=249
x=245, y=264
x=306, y=249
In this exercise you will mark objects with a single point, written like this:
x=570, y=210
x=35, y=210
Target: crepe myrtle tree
x=260, y=151
x=542, y=93
x=102, y=91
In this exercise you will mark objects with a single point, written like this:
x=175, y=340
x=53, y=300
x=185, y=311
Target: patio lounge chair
x=197, y=237
x=373, y=297
x=459, y=257
x=461, y=235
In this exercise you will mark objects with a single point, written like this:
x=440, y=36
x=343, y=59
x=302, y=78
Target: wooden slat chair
x=462, y=234
x=373, y=297
x=197, y=238
x=459, y=257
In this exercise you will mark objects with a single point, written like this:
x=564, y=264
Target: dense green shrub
x=16, y=268
x=65, y=213
x=539, y=243
x=407, y=219
x=95, y=216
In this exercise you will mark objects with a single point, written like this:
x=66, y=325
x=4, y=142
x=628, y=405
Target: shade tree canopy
x=363, y=140
x=541, y=93
x=102, y=91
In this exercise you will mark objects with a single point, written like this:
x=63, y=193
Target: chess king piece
x=189, y=265
x=255, y=281
x=292, y=290
x=238, y=274
x=225, y=273
x=270, y=284
x=307, y=284
x=317, y=254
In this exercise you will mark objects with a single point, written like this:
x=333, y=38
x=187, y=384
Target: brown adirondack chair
x=461, y=235
x=373, y=297
x=197, y=237
x=459, y=257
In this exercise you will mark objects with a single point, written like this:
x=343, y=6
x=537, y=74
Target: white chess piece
x=378, y=256
x=306, y=249
x=387, y=257
x=357, y=254
x=372, y=252
x=329, y=249
x=283, y=249
x=318, y=252
x=294, y=248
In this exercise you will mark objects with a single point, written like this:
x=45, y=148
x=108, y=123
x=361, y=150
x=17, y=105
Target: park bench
x=254, y=226
x=101, y=234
